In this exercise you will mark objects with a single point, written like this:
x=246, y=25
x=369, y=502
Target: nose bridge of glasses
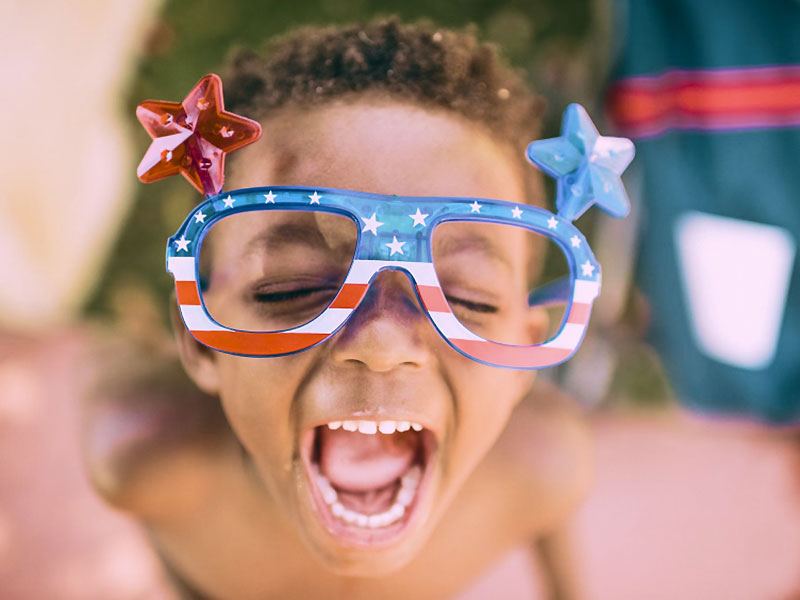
x=424, y=290
x=388, y=294
x=380, y=277
x=391, y=279
x=421, y=275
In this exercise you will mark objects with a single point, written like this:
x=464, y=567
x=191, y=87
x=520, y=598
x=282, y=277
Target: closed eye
x=290, y=295
x=478, y=307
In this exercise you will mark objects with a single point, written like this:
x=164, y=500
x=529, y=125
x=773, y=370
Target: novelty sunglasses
x=276, y=270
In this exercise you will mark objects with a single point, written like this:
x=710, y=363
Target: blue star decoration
x=586, y=166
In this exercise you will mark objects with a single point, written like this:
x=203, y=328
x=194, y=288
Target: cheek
x=257, y=396
x=486, y=396
x=497, y=387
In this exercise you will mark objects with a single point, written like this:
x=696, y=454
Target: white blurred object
x=736, y=278
x=64, y=160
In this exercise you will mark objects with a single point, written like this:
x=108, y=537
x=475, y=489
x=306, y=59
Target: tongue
x=369, y=503
x=359, y=462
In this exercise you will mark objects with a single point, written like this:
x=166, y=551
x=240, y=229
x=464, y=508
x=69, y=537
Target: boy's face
x=387, y=365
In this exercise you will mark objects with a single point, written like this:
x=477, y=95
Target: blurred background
x=690, y=375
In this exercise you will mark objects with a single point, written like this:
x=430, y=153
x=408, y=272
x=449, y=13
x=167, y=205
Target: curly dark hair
x=415, y=62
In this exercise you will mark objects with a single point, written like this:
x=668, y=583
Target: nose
x=389, y=328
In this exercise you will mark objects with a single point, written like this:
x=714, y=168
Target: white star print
x=516, y=212
x=419, y=218
x=371, y=224
x=588, y=269
x=552, y=223
x=576, y=241
x=270, y=198
x=183, y=243
x=395, y=246
x=315, y=198
x=475, y=206
x=199, y=217
x=229, y=201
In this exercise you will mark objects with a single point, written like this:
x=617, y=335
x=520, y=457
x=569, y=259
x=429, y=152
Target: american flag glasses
x=273, y=271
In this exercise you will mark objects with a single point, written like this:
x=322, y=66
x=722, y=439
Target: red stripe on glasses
x=579, y=314
x=257, y=343
x=512, y=356
x=433, y=299
x=186, y=292
x=350, y=295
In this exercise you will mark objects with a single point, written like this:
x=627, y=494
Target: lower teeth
x=408, y=489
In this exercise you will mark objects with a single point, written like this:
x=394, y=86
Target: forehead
x=381, y=147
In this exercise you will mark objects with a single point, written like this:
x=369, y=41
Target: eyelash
x=478, y=307
x=288, y=296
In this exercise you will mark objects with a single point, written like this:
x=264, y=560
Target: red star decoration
x=192, y=137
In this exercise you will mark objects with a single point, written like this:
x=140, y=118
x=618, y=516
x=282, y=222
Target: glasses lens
x=274, y=270
x=504, y=283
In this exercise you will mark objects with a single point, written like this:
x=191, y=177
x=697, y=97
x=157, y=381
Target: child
x=379, y=462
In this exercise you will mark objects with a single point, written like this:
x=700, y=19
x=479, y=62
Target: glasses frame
x=409, y=221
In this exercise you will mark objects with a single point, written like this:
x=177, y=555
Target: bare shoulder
x=548, y=446
x=149, y=438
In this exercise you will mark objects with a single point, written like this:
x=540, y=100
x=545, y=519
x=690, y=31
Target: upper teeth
x=371, y=427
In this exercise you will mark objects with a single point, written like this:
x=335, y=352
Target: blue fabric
x=752, y=174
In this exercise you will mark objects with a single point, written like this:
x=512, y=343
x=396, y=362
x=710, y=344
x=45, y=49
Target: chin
x=364, y=564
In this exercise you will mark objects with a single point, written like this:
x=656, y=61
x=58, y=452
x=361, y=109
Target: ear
x=537, y=322
x=199, y=362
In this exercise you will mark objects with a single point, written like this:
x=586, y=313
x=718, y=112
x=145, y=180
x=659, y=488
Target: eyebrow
x=472, y=242
x=282, y=235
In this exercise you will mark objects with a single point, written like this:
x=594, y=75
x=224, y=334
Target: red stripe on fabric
x=258, y=344
x=579, y=313
x=186, y=292
x=719, y=99
x=512, y=356
x=433, y=299
x=350, y=295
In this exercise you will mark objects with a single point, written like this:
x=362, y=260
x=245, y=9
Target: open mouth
x=367, y=478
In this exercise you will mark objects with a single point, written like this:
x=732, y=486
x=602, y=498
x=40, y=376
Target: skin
x=495, y=484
